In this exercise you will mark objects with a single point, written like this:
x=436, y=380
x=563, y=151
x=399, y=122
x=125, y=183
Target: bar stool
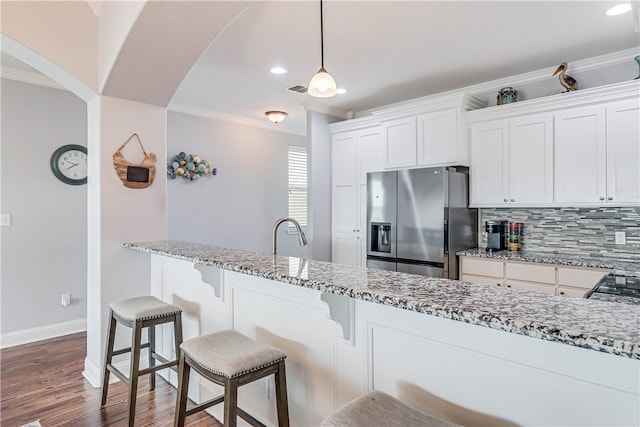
x=138, y=313
x=230, y=359
x=379, y=409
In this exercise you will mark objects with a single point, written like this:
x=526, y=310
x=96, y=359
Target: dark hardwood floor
x=44, y=381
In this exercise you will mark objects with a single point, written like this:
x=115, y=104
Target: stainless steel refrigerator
x=417, y=219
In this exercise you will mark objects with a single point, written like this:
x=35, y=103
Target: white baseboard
x=27, y=336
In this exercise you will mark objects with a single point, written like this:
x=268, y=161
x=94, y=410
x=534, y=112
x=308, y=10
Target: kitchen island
x=463, y=352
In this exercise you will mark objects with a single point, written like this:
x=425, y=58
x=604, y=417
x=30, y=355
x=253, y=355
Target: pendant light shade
x=276, y=116
x=322, y=85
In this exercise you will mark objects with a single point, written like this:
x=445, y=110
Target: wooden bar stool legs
x=230, y=359
x=139, y=313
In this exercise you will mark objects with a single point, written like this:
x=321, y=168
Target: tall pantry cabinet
x=353, y=154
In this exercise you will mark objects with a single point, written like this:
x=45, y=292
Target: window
x=298, y=185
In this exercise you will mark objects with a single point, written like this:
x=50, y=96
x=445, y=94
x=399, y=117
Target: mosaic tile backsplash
x=574, y=231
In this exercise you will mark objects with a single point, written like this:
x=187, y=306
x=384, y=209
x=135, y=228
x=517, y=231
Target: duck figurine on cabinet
x=566, y=80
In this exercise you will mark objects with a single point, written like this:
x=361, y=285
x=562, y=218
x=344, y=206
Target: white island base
x=340, y=348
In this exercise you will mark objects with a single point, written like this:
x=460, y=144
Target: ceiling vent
x=298, y=88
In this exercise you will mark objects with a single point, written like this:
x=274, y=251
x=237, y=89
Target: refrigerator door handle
x=446, y=237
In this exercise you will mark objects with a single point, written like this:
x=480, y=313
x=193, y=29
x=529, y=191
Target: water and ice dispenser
x=381, y=237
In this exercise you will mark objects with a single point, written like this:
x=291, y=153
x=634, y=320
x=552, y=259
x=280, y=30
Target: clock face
x=69, y=164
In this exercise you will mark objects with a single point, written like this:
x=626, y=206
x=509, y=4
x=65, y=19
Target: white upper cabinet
x=428, y=132
x=512, y=162
x=399, y=137
x=597, y=154
x=438, y=139
x=623, y=152
x=429, y=139
x=489, y=177
x=572, y=149
x=580, y=155
x=531, y=160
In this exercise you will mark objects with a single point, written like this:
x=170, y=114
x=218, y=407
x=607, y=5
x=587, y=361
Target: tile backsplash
x=574, y=231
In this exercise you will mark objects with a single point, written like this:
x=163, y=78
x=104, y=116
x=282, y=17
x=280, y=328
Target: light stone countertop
x=598, y=325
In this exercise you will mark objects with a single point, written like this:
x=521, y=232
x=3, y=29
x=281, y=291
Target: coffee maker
x=497, y=235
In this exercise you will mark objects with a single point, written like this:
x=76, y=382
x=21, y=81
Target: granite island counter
x=464, y=352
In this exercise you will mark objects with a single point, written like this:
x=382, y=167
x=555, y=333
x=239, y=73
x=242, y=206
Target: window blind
x=298, y=184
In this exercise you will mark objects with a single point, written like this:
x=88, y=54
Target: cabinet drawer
x=580, y=278
x=481, y=267
x=482, y=280
x=542, y=288
x=571, y=293
x=531, y=272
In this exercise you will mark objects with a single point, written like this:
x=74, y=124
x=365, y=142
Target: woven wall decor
x=135, y=175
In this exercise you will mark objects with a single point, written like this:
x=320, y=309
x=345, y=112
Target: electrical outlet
x=5, y=220
x=621, y=238
x=65, y=300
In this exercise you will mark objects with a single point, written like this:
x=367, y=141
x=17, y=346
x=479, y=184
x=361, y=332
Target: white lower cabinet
x=529, y=276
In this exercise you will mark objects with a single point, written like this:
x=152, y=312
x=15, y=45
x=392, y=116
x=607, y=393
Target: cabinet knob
x=499, y=284
x=609, y=198
x=506, y=200
x=601, y=198
x=513, y=200
x=354, y=230
x=508, y=286
x=561, y=292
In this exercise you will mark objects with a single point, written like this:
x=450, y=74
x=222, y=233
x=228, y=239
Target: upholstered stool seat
x=230, y=359
x=380, y=409
x=138, y=313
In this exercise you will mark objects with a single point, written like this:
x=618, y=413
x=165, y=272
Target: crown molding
x=613, y=92
x=355, y=124
x=544, y=73
x=32, y=77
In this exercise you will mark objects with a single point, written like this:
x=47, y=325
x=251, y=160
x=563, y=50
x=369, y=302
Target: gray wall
x=575, y=231
x=44, y=248
x=319, y=136
x=236, y=208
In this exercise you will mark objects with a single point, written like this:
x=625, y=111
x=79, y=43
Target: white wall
x=238, y=207
x=44, y=250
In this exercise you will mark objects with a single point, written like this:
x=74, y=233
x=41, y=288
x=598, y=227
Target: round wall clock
x=69, y=164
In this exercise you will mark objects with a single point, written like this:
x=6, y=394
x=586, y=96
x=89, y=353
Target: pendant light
x=276, y=116
x=322, y=85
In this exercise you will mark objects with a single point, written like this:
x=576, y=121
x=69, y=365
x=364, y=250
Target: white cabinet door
x=399, y=139
x=437, y=138
x=531, y=160
x=344, y=183
x=354, y=154
x=370, y=159
x=489, y=171
x=623, y=152
x=580, y=156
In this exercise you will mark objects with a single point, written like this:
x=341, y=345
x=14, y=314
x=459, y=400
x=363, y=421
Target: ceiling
x=387, y=51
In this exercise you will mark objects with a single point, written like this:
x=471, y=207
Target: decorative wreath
x=189, y=166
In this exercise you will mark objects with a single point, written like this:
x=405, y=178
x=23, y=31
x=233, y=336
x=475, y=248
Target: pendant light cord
x=321, y=37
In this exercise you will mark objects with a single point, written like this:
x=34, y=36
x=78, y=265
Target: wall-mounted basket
x=135, y=175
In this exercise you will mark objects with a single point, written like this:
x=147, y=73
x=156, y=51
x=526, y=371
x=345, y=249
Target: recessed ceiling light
x=341, y=91
x=278, y=70
x=619, y=9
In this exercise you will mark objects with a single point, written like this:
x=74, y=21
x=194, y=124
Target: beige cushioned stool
x=231, y=360
x=138, y=313
x=381, y=410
